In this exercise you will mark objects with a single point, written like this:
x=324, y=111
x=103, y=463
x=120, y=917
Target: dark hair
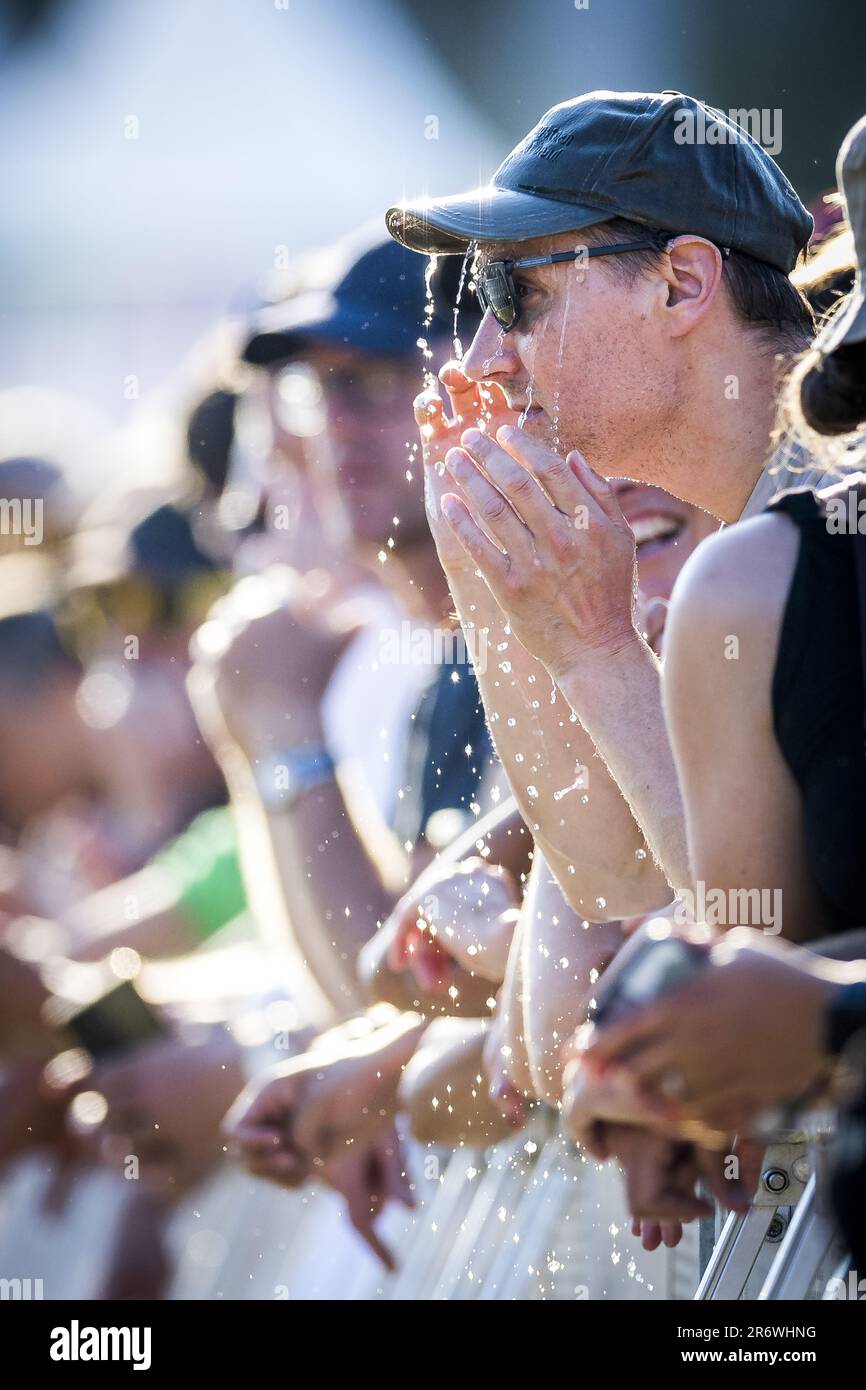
x=833, y=390
x=31, y=654
x=762, y=297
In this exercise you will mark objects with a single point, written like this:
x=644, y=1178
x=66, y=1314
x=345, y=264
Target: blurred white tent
x=159, y=157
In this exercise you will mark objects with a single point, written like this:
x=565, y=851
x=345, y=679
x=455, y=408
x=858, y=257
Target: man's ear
x=693, y=272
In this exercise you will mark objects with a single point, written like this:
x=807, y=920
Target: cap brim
x=846, y=327
x=447, y=226
x=287, y=330
x=278, y=329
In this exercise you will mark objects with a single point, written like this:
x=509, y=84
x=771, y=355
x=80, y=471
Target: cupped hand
x=466, y=913
x=468, y=404
x=549, y=538
x=320, y=1106
x=762, y=1002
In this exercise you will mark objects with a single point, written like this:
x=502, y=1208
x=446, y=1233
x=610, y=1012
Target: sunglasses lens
x=496, y=294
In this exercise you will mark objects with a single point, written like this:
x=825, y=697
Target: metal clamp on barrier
x=749, y=1242
x=812, y=1247
x=786, y=1245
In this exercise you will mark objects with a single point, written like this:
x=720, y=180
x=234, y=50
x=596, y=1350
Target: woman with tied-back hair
x=764, y=694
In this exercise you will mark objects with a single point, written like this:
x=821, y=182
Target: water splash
x=521, y=420
x=457, y=346
x=560, y=352
x=429, y=301
x=488, y=365
x=579, y=781
x=560, y=355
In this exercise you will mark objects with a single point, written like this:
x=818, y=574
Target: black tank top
x=818, y=702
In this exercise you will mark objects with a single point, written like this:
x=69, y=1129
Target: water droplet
x=521, y=420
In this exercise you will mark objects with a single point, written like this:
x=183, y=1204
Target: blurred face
x=587, y=360
x=666, y=532
x=370, y=444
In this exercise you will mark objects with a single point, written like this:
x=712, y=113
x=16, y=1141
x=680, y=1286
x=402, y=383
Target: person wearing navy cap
x=637, y=314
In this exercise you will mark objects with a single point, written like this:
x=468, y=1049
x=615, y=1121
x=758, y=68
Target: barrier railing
x=529, y=1219
x=786, y=1246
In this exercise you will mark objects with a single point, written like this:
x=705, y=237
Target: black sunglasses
x=496, y=290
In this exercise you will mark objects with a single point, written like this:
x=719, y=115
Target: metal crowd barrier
x=50, y=1253
x=529, y=1219
x=786, y=1246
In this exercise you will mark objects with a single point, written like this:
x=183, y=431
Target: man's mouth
x=654, y=531
x=527, y=413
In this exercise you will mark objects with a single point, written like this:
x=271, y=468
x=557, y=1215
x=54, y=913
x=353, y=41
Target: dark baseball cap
x=666, y=160
x=372, y=299
x=162, y=548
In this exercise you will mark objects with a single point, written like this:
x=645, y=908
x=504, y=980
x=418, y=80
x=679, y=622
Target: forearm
x=500, y=837
x=508, y=1056
x=440, y=1090
x=575, y=809
x=308, y=874
x=393, y=1044
x=383, y=985
x=333, y=892
x=617, y=697
x=141, y=912
x=562, y=959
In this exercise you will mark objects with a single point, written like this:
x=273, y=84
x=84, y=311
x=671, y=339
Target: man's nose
x=490, y=353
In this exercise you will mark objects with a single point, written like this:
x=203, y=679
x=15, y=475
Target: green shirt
x=204, y=867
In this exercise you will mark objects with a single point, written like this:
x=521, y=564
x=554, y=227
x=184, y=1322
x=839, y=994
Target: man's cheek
x=528, y=344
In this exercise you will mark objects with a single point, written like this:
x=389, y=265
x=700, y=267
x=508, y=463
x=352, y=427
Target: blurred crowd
x=470, y=721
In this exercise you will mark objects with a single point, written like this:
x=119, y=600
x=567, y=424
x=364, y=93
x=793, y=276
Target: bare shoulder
x=722, y=633
x=737, y=579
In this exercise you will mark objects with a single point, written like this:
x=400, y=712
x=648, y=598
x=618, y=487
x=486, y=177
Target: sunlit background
x=161, y=159
x=159, y=156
